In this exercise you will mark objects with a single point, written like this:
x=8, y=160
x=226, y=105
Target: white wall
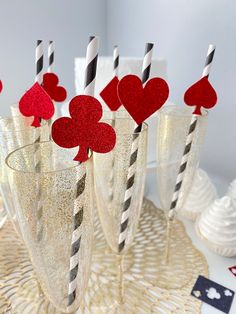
x=69, y=23
x=182, y=30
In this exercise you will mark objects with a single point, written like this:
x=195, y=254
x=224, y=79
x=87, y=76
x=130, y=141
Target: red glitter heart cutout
x=141, y=102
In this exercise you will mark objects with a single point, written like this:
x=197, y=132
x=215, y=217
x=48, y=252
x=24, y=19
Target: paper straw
x=39, y=62
x=116, y=59
x=91, y=65
x=189, y=140
x=113, y=121
x=51, y=50
x=51, y=64
x=90, y=75
x=133, y=157
x=39, y=79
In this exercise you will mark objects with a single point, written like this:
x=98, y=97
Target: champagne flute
x=173, y=124
x=15, y=132
x=110, y=174
x=46, y=202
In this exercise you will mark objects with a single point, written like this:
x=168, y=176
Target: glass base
x=173, y=269
x=146, y=280
x=107, y=300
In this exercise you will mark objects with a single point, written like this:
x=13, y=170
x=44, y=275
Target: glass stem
x=120, y=262
x=169, y=227
x=40, y=291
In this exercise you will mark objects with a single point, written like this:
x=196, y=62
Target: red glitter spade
x=83, y=129
x=201, y=94
x=141, y=102
x=50, y=85
x=36, y=102
x=110, y=96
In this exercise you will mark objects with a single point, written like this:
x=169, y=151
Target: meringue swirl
x=232, y=189
x=201, y=194
x=218, y=223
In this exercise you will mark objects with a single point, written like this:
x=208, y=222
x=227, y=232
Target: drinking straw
x=51, y=51
x=51, y=64
x=39, y=62
x=116, y=59
x=39, y=79
x=91, y=65
x=90, y=75
x=185, y=158
x=113, y=121
x=189, y=140
x=133, y=157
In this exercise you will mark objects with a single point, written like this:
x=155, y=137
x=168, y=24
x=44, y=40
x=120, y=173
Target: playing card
x=213, y=294
x=233, y=270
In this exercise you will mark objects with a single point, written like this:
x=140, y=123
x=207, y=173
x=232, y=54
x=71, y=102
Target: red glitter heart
x=201, y=94
x=83, y=129
x=110, y=96
x=1, y=86
x=139, y=101
x=36, y=102
x=50, y=85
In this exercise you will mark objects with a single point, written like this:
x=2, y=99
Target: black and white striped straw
x=116, y=58
x=90, y=75
x=189, y=140
x=133, y=157
x=116, y=61
x=51, y=56
x=91, y=65
x=39, y=79
x=51, y=64
x=39, y=62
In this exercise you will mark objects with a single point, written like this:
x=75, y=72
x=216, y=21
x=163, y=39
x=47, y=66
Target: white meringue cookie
x=216, y=226
x=201, y=195
x=232, y=189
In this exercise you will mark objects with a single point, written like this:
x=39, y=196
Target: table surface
x=218, y=265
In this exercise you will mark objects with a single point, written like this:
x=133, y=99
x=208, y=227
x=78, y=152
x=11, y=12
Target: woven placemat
x=145, y=273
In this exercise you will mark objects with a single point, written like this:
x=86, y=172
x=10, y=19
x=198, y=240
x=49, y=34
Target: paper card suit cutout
x=233, y=270
x=36, y=102
x=110, y=96
x=83, y=129
x=50, y=85
x=1, y=86
x=201, y=94
x=139, y=101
